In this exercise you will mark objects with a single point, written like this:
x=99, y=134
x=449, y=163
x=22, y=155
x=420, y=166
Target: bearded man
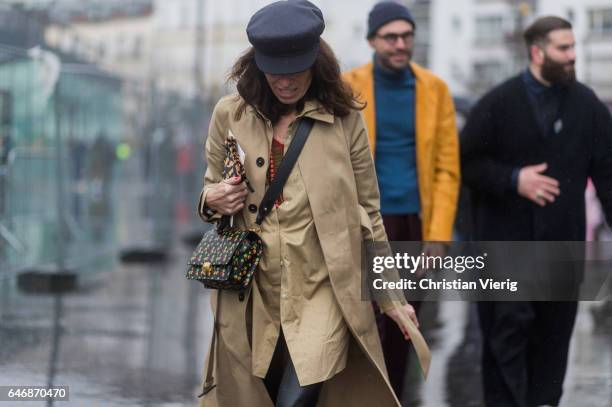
x=527, y=151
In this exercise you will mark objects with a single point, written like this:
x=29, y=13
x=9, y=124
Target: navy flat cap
x=285, y=36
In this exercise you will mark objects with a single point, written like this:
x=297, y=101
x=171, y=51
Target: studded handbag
x=226, y=258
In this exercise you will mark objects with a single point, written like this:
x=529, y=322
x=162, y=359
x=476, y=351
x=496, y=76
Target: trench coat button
x=253, y=208
x=260, y=162
x=284, y=296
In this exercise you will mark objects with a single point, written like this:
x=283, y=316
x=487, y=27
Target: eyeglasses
x=392, y=38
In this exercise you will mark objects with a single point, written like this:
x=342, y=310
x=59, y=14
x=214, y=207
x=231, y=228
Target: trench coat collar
x=312, y=108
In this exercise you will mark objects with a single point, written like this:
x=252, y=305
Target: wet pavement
x=136, y=335
x=455, y=379
x=132, y=336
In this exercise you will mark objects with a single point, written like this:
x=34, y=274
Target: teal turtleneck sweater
x=395, y=156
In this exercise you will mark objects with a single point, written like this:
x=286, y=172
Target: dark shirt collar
x=391, y=75
x=545, y=101
x=533, y=85
x=537, y=88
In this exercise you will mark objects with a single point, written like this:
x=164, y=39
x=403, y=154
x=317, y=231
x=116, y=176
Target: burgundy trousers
x=395, y=347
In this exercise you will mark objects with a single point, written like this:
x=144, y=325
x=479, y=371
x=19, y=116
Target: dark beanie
x=387, y=11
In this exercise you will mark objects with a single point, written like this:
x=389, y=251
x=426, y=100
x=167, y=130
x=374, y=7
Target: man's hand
x=227, y=197
x=408, y=312
x=537, y=187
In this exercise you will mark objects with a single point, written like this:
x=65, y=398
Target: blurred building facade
x=225, y=36
x=421, y=12
x=188, y=46
x=116, y=38
x=476, y=44
x=592, y=21
x=216, y=32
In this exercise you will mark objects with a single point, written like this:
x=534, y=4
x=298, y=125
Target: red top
x=276, y=158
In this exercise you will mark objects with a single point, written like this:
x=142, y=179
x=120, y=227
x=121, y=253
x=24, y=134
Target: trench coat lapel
x=310, y=163
x=316, y=167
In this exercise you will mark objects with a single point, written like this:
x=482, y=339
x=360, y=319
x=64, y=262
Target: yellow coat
x=437, y=145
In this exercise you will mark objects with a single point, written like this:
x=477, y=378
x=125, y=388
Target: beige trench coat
x=338, y=172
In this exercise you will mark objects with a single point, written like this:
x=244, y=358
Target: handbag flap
x=217, y=248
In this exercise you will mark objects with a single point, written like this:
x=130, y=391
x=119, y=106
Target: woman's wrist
x=212, y=198
x=205, y=212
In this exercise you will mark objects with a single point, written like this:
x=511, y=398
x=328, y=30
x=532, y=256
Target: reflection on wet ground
x=136, y=335
x=455, y=374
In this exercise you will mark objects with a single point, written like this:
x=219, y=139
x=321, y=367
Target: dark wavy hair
x=327, y=87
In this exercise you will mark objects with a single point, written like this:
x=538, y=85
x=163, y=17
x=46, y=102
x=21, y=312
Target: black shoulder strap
x=293, y=152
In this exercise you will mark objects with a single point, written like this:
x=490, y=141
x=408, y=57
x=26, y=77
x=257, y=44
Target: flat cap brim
x=285, y=65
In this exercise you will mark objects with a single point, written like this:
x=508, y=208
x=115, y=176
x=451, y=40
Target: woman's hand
x=227, y=197
x=408, y=312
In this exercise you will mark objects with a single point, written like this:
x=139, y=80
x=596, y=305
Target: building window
x=185, y=17
x=76, y=46
x=600, y=21
x=489, y=29
x=101, y=51
x=120, y=46
x=456, y=24
x=137, y=47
